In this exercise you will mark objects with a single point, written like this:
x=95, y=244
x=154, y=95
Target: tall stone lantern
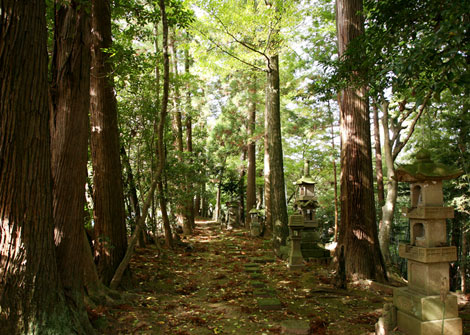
x=425, y=306
x=255, y=224
x=306, y=204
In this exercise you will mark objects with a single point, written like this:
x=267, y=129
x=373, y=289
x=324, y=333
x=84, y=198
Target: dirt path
x=215, y=286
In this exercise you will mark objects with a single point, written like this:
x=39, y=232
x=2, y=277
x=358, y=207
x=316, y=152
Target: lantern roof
x=306, y=203
x=305, y=180
x=425, y=169
x=254, y=211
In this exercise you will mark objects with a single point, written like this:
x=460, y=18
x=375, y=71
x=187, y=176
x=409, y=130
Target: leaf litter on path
x=207, y=291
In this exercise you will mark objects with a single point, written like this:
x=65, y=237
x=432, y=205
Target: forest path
x=209, y=289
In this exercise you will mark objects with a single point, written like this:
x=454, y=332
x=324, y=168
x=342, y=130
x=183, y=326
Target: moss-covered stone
x=257, y=284
x=264, y=292
x=269, y=304
x=257, y=275
x=295, y=327
x=425, y=169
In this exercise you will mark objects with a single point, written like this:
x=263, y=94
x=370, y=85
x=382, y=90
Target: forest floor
x=209, y=289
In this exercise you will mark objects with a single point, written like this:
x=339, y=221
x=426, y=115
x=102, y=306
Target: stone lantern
x=426, y=305
x=255, y=224
x=233, y=220
x=296, y=224
x=306, y=204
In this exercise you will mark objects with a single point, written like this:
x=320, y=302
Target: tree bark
x=463, y=262
x=241, y=189
x=388, y=209
x=132, y=195
x=69, y=125
x=392, y=147
x=251, y=173
x=335, y=183
x=109, y=214
x=31, y=294
x=182, y=214
x=161, y=128
x=189, y=143
x=115, y=282
x=378, y=158
x=218, y=195
x=277, y=194
x=358, y=230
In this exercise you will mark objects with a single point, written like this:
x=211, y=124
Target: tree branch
x=398, y=148
x=221, y=48
x=246, y=45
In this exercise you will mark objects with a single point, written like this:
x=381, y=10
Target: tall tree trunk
x=378, y=158
x=463, y=262
x=388, y=209
x=132, y=195
x=335, y=179
x=260, y=196
x=109, y=214
x=189, y=143
x=358, y=230
x=241, y=189
x=204, y=202
x=218, y=196
x=277, y=194
x=392, y=147
x=69, y=125
x=161, y=128
x=251, y=173
x=31, y=294
x=181, y=206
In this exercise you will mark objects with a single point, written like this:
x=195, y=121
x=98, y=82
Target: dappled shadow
x=214, y=283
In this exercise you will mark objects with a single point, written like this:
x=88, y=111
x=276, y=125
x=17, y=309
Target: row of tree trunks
x=32, y=279
x=184, y=213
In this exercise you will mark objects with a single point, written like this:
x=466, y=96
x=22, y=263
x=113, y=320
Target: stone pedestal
x=296, y=224
x=255, y=224
x=233, y=220
x=311, y=243
x=419, y=314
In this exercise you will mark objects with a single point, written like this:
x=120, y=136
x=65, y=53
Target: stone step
x=295, y=327
x=262, y=260
x=257, y=276
x=269, y=304
x=264, y=292
x=251, y=265
x=257, y=284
